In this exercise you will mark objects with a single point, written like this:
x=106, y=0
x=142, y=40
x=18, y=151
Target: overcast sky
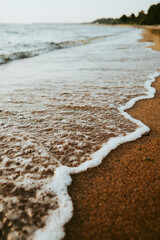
x=24, y=11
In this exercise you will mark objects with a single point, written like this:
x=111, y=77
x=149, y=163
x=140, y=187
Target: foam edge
x=54, y=229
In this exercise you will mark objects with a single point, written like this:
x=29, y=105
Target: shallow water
x=18, y=41
x=58, y=108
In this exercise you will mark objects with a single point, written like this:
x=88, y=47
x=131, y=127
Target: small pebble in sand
x=1, y=207
x=1, y=225
x=13, y=236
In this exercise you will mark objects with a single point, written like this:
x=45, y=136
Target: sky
x=68, y=11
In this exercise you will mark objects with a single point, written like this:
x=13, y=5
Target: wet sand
x=120, y=199
x=152, y=34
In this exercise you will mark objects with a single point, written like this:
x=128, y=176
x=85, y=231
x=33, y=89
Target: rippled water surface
x=59, y=108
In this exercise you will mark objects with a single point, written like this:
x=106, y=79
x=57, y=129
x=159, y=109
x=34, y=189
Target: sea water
x=63, y=92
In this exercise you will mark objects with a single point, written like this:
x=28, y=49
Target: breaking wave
x=47, y=47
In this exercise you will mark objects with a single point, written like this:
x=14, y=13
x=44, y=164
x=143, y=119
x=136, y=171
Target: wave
x=54, y=228
x=48, y=47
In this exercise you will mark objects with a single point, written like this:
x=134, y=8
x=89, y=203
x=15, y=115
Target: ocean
x=64, y=89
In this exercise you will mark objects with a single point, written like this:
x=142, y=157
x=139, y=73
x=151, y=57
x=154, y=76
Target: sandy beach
x=152, y=34
x=120, y=199
x=57, y=108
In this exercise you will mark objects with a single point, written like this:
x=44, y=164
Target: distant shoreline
x=152, y=17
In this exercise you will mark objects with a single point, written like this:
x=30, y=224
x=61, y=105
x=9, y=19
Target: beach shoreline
x=120, y=198
x=152, y=34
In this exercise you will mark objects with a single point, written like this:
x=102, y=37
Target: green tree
x=141, y=16
x=132, y=17
x=124, y=19
x=153, y=16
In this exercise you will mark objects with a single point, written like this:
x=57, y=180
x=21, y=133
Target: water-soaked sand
x=120, y=198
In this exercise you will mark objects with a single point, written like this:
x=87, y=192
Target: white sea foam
x=24, y=43
x=58, y=109
x=54, y=229
x=45, y=48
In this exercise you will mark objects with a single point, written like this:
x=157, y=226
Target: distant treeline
x=152, y=17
